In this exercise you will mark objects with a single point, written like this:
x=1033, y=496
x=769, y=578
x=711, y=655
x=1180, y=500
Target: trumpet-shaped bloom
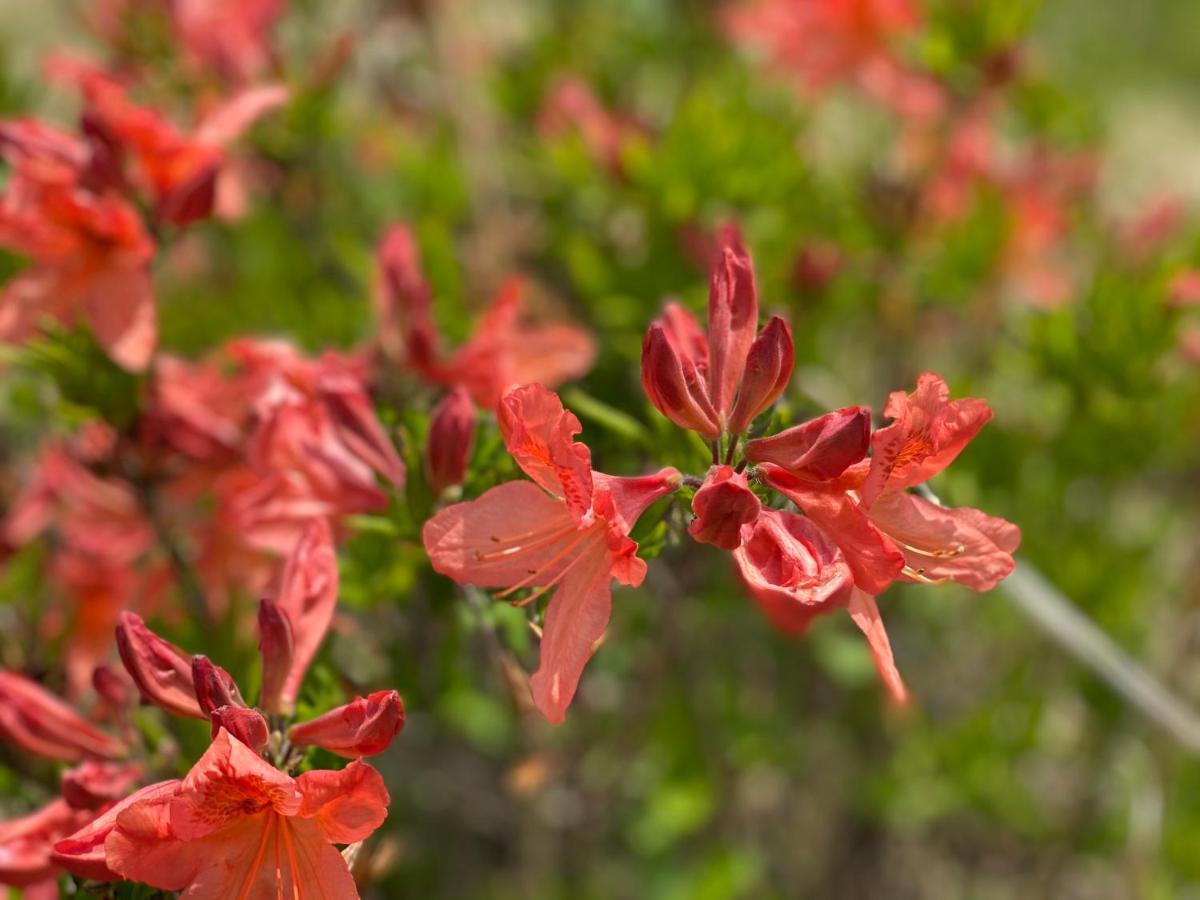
x=363, y=727
x=40, y=723
x=237, y=827
x=723, y=380
x=568, y=531
x=504, y=351
x=90, y=250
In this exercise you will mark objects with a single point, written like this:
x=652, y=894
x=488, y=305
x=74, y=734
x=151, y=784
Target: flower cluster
x=239, y=824
x=853, y=529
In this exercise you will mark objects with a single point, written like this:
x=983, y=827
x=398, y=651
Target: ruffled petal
x=83, y=853
x=348, y=805
x=540, y=435
x=928, y=432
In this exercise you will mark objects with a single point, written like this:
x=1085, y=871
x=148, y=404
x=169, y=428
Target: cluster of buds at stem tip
x=720, y=382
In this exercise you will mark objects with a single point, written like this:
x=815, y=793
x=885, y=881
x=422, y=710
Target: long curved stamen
x=536, y=575
x=518, y=543
x=956, y=550
x=920, y=576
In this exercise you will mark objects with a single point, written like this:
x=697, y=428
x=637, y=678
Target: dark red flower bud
x=768, y=370
x=732, y=318
x=675, y=386
x=114, y=686
x=214, y=686
x=820, y=449
x=723, y=504
x=162, y=672
x=451, y=430
x=363, y=727
x=276, y=645
x=247, y=725
x=93, y=784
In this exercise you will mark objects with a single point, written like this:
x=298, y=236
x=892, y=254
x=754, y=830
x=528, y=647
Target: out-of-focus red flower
x=26, y=844
x=1154, y=226
x=571, y=106
x=823, y=41
x=40, y=723
x=722, y=381
x=723, y=505
x=503, y=352
x=90, y=251
x=162, y=672
x=236, y=826
x=94, y=784
x=230, y=37
x=569, y=530
x=451, y=430
x=363, y=727
x=307, y=596
x=180, y=171
x=1183, y=290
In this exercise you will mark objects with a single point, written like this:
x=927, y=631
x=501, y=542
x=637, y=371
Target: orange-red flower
x=235, y=826
x=504, y=351
x=26, y=846
x=568, y=530
x=90, y=251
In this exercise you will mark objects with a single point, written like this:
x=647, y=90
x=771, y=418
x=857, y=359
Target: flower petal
x=576, y=618
x=308, y=596
x=928, y=432
x=348, y=805
x=792, y=568
x=875, y=561
x=83, y=853
x=540, y=435
x=865, y=613
x=501, y=538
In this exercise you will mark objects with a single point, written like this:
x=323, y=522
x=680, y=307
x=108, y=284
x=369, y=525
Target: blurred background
x=1009, y=199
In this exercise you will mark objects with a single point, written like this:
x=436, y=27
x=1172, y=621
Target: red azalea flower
x=91, y=253
x=503, y=352
x=823, y=41
x=26, y=846
x=238, y=827
x=568, y=530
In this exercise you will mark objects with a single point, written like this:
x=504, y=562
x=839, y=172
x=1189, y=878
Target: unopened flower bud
x=214, y=686
x=723, y=504
x=451, y=430
x=247, y=725
x=162, y=672
x=40, y=723
x=363, y=727
x=820, y=449
x=675, y=386
x=276, y=646
x=114, y=686
x=768, y=370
